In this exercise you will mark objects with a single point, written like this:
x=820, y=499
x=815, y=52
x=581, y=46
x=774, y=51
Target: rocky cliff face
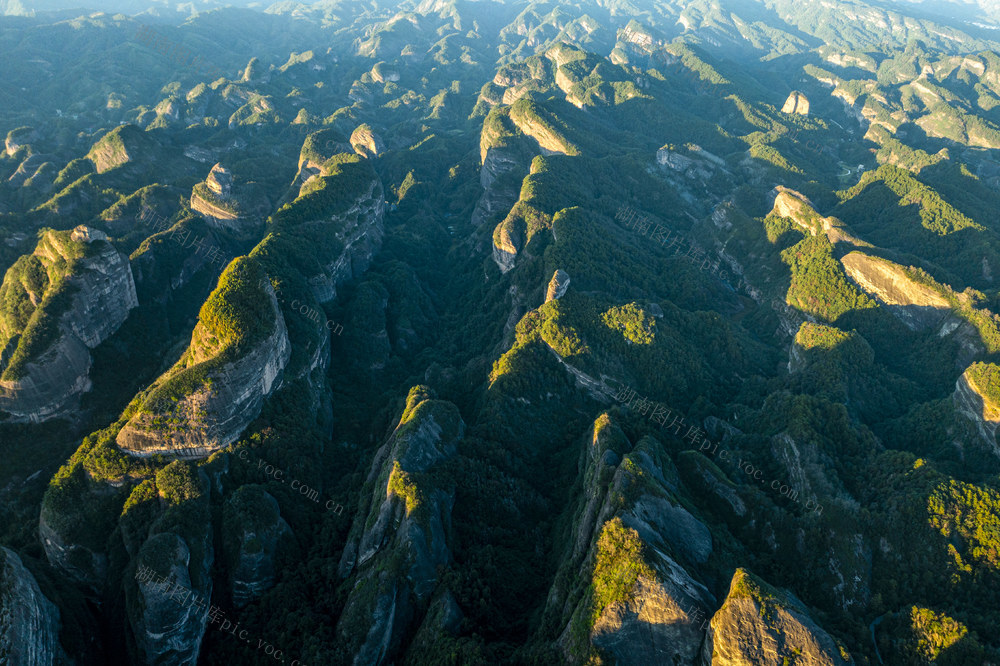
x=18, y=138
x=644, y=547
x=254, y=531
x=761, y=626
x=97, y=292
x=970, y=401
x=167, y=584
x=29, y=622
x=118, y=147
x=205, y=401
x=506, y=154
x=366, y=142
x=360, y=229
x=508, y=240
x=557, y=285
x=401, y=531
x=219, y=203
x=917, y=305
x=798, y=208
x=550, y=140
x=796, y=103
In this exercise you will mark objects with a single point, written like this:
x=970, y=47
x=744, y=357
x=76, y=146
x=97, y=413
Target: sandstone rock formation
x=970, y=400
x=168, y=624
x=366, y=142
x=661, y=614
x=29, y=622
x=506, y=155
x=508, y=239
x=219, y=203
x=536, y=123
x=120, y=146
x=762, y=626
x=218, y=386
x=254, y=532
x=77, y=289
x=359, y=228
x=383, y=72
x=400, y=537
x=796, y=103
x=18, y=138
x=557, y=285
x=916, y=304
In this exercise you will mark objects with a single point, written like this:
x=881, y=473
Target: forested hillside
x=500, y=333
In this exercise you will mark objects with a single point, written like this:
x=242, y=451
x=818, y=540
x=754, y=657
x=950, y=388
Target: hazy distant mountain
x=162, y=7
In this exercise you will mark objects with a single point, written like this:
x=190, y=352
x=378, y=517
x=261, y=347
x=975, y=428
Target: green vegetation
x=816, y=336
x=41, y=277
x=618, y=564
x=819, y=284
x=202, y=191
x=235, y=317
x=986, y=378
x=969, y=516
x=401, y=485
x=178, y=483
x=632, y=321
x=934, y=632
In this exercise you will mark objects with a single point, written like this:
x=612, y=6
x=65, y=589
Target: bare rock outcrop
x=971, y=400
x=168, y=587
x=796, y=103
x=798, y=208
x=359, y=228
x=761, y=626
x=18, y=138
x=659, y=611
x=508, y=240
x=366, y=142
x=78, y=289
x=122, y=145
x=29, y=622
x=225, y=206
x=557, y=285
x=917, y=305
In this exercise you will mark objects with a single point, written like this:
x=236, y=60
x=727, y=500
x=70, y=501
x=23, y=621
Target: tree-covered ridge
x=34, y=296
x=936, y=214
x=238, y=314
x=819, y=284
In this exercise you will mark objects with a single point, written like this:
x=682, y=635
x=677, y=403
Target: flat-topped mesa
x=218, y=204
x=238, y=352
x=977, y=397
x=57, y=304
